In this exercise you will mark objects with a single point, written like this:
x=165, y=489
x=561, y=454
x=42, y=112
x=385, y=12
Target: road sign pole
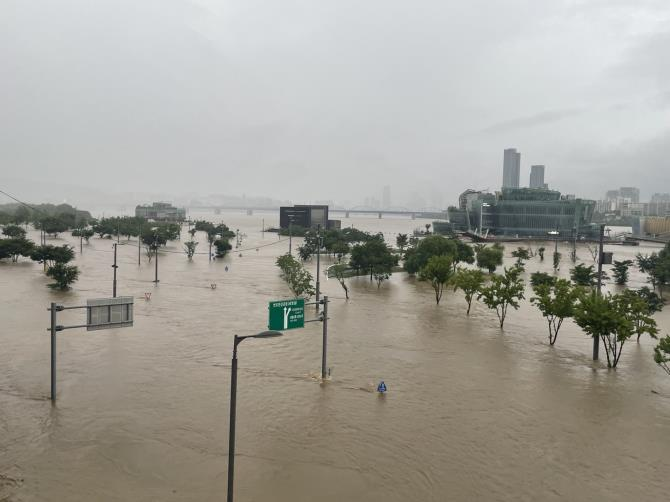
x=325, y=337
x=53, y=351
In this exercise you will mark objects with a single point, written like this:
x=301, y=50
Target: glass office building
x=526, y=212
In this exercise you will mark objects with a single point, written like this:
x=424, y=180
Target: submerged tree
x=189, y=248
x=540, y=251
x=557, y=260
x=470, y=282
x=15, y=247
x=620, y=271
x=438, y=271
x=521, y=254
x=613, y=318
x=556, y=302
x=504, y=291
x=639, y=308
x=14, y=232
x=538, y=278
x=401, y=241
x=490, y=257
x=297, y=278
x=662, y=353
x=63, y=275
x=339, y=272
x=583, y=275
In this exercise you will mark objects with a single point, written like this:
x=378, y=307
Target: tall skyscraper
x=386, y=197
x=536, y=176
x=511, y=168
x=631, y=193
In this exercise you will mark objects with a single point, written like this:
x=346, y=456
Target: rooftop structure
x=306, y=216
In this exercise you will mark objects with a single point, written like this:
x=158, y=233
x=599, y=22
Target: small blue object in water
x=381, y=388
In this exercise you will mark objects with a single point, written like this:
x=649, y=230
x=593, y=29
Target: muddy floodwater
x=471, y=413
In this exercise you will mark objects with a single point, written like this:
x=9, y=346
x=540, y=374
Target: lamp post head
x=263, y=334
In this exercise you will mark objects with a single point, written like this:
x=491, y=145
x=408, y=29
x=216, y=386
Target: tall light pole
x=155, y=229
x=233, y=406
x=555, y=234
x=290, y=236
x=596, y=339
x=115, y=266
x=481, y=217
x=318, y=265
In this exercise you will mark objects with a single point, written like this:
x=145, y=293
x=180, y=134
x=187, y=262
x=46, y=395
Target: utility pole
x=115, y=266
x=596, y=339
x=324, y=348
x=318, y=265
x=231, y=429
x=290, y=237
x=139, y=244
x=156, y=257
x=54, y=309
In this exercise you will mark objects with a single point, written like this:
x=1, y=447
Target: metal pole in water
x=231, y=432
x=115, y=266
x=53, y=351
x=156, y=275
x=318, y=265
x=325, y=337
x=596, y=340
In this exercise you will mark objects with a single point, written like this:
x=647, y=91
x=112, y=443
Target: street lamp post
x=596, y=340
x=290, y=236
x=155, y=229
x=318, y=265
x=115, y=266
x=481, y=217
x=555, y=234
x=233, y=406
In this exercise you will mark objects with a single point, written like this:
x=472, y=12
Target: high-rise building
x=536, y=177
x=631, y=193
x=511, y=168
x=386, y=197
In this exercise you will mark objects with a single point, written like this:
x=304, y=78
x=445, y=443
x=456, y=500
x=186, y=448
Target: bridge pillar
x=414, y=216
x=379, y=215
x=346, y=214
x=250, y=212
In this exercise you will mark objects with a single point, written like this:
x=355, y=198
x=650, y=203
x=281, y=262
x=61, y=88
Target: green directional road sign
x=286, y=314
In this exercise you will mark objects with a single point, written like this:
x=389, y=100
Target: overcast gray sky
x=333, y=99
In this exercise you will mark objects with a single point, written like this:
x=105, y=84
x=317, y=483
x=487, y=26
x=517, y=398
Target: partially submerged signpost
x=101, y=313
x=290, y=314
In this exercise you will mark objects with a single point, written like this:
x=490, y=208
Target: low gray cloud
x=325, y=100
x=537, y=119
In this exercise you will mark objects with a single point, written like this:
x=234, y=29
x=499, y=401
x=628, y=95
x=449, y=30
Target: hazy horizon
x=308, y=101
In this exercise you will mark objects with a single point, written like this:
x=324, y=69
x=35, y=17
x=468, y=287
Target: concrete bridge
x=427, y=213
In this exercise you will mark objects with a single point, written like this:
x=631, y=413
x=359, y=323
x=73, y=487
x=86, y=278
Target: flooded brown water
x=472, y=413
